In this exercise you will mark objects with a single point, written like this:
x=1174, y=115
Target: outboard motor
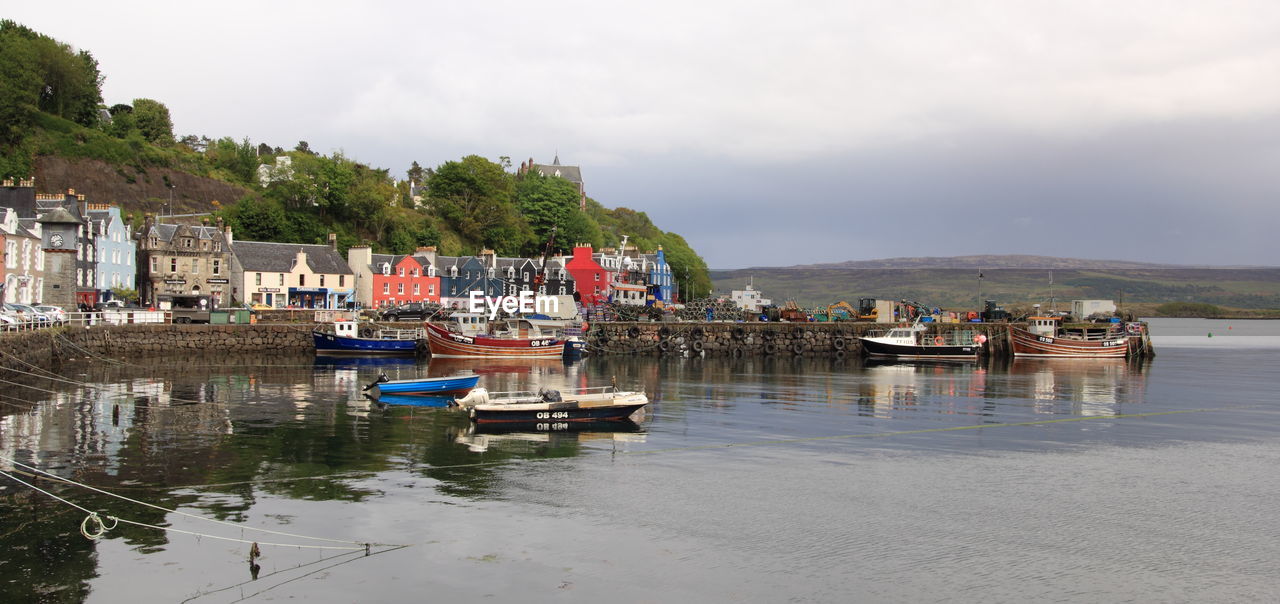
x=381, y=379
x=477, y=396
x=550, y=396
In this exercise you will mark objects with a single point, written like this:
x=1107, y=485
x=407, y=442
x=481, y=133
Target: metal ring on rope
x=101, y=528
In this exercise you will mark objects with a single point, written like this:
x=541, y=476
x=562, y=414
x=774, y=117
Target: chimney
x=489, y=257
x=226, y=234
x=333, y=241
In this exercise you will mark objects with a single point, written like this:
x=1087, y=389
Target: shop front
x=310, y=297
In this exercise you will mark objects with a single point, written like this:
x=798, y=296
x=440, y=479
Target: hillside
x=134, y=190
x=953, y=282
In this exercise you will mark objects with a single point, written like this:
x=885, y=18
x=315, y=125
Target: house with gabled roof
x=572, y=174
x=115, y=266
x=178, y=259
x=591, y=280
x=293, y=275
x=23, y=266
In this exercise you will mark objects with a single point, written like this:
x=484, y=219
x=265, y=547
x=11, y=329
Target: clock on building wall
x=59, y=230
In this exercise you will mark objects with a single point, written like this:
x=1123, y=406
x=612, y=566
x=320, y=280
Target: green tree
x=19, y=84
x=546, y=202
x=256, y=219
x=474, y=195
x=153, y=121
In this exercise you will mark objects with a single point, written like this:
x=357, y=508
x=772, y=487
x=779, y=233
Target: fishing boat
x=454, y=384
x=1045, y=338
x=466, y=336
x=553, y=406
x=348, y=337
x=914, y=343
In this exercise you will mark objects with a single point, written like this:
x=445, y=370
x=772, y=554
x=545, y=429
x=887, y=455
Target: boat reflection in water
x=1089, y=387
x=1046, y=387
x=479, y=438
x=410, y=400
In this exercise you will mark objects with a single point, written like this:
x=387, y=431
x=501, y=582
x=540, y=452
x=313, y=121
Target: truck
x=186, y=308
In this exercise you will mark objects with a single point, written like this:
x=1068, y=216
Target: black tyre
x=739, y=333
x=770, y=348
x=634, y=332
x=696, y=346
x=838, y=343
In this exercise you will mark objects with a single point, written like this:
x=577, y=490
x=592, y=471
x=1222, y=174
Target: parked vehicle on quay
x=55, y=313
x=28, y=314
x=413, y=311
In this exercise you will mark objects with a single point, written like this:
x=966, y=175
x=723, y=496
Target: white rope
x=360, y=545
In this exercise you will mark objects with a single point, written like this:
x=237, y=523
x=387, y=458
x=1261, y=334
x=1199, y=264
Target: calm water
x=754, y=480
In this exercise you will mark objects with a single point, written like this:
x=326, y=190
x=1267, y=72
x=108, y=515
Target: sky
x=766, y=133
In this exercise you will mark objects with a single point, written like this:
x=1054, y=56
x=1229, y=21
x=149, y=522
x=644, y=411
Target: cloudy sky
x=766, y=133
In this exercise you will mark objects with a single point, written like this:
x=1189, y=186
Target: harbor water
x=757, y=479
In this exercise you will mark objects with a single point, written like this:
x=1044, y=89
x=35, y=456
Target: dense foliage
x=51, y=104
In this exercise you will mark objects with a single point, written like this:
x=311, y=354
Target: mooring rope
x=103, y=529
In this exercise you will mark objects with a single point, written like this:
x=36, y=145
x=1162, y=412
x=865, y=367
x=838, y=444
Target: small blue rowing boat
x=454, y=384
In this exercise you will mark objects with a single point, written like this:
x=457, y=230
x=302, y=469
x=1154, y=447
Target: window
x=386, y=288
x=431, y=290
x=173, y=265
x=217, y=266
x=413, y=273
x=415, y=289
x=321, y=280
x=257, y=279
x=597, y=276
x=281, y=279
x=195, y=266
x=342, y=280
x=400, y=289
x=11, y=254
x=155, y=264
x=302, y=280
x=400, y=271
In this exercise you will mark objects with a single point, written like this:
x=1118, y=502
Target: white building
x=749, y=299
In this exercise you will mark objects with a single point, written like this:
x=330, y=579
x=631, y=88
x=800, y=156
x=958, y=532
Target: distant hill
x=1013, y=280
x=1021, y=261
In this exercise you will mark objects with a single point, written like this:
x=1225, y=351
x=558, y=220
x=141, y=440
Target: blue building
x=117, y=253
x=659, y=278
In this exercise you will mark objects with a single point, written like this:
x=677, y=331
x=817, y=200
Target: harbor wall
x=758, y=339
x=835, y=340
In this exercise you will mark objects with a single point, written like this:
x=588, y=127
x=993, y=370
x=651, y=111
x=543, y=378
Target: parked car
x=8, y=321
x=54, y=313
x=413, y=311
x=28, y=314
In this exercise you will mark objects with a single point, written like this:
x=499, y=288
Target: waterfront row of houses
x=180, y=259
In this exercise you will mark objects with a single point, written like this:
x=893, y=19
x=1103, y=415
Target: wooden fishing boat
x=582, y=405
x=1046, y=339
x=345, y=337
x=458, y=344
x=454, y=384
x=913, y=343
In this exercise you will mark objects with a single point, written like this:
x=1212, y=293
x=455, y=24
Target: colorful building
x=292, y=275
x=116, y=265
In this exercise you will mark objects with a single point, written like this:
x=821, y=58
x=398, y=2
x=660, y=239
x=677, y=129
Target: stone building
x=184, y=259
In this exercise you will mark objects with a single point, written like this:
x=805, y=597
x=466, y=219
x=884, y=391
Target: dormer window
x=386, y=269
x=431, y=271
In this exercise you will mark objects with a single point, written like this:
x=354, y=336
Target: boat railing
x=569, y=391
x=402, y=334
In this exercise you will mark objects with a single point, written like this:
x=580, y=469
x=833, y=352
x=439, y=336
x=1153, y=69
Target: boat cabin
x=1044, y=326
x=468, y=323
x=346, y=329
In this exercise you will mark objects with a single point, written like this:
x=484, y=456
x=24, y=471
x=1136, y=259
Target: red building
x=590, y=279
x=400, y=279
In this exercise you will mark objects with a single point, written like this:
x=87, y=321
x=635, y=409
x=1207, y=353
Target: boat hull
x=1027, y=344
x=327, y=343
x=446, y=344
x=426, y=386
x=552, y=413
x=878, y=349
x=409, y=400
